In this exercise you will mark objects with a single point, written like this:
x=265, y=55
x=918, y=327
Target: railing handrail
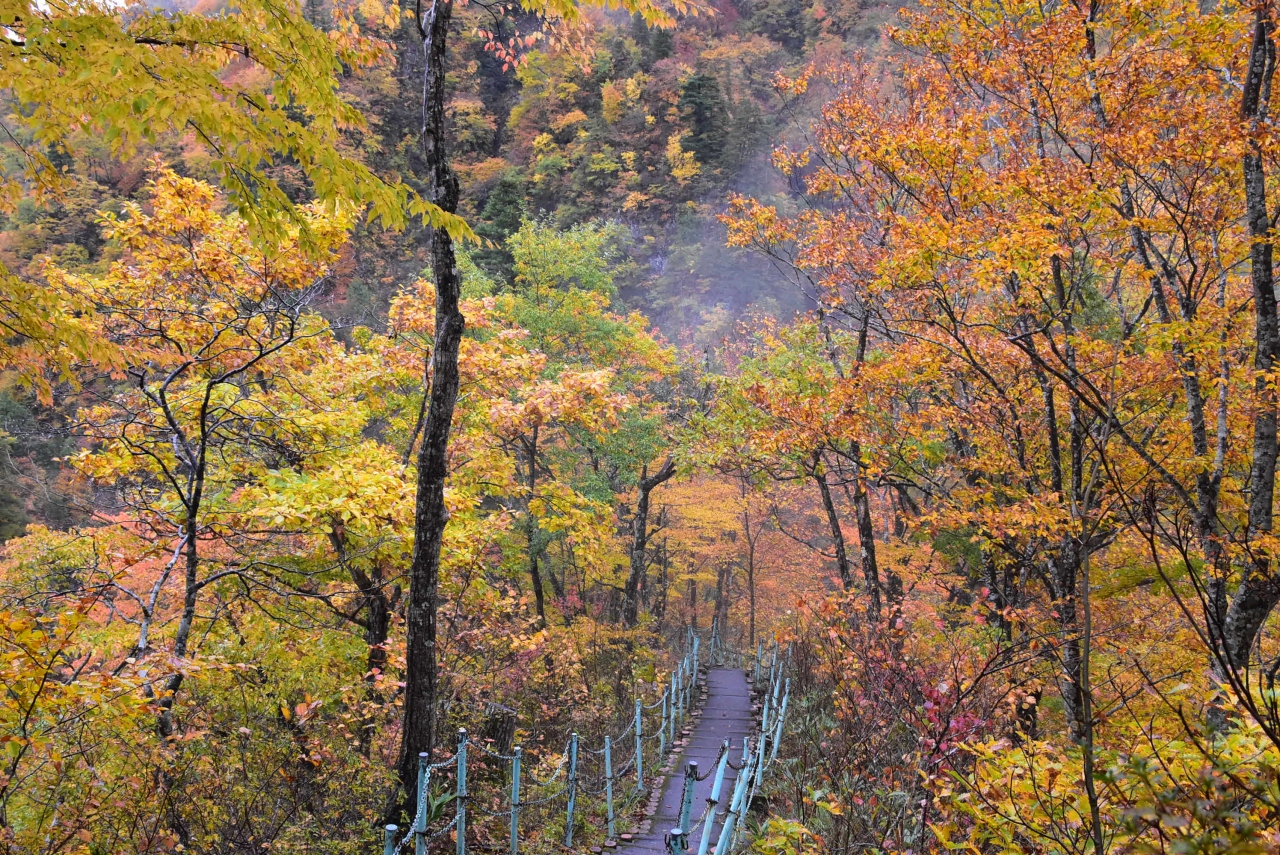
x=674, y=702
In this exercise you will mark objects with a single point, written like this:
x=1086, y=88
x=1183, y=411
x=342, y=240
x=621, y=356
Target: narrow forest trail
x=727, y=713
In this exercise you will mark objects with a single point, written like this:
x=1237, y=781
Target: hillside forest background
x=370, y=371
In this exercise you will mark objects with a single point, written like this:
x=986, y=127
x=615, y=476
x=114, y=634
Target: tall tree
x=201, y=320
x=640, y=538
x=568, y=322
x=1081, y=289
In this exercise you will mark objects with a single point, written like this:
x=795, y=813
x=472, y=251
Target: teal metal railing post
x=718, y=783
x=515, y=799
x=611, y=831
x=420, y=816
x=696, y=642
x=671, y=723
x=708, y=826
x=639, y=750
x=759, y=656
x=573, y=790
x=769, y=689
x=692, y=680
x=686, y=801
x=782, y=714
x=760, y=748
x=753, y=783
x=662, y=729
x=389, y=840
x=681, y=684
x=764, y=714
x=735, y=804
x=461, y=830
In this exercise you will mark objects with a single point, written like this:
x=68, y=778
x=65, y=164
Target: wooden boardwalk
x=727, y=713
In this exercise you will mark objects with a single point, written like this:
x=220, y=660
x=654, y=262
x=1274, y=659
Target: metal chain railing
x=421, y=840
x=555, y=773
x=494, y=754
x=674, y=703
x=757, y=751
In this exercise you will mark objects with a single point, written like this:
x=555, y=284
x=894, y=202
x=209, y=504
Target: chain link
x=592, y=792
x=707, y=819
x=711, y=768
x=597, y=751
x=413, y=825
x=542, y=801
x=422, y=802
x=488, y=812
x=564, y=758
x=428, y=838
x=436, y=835
x=707, y=813
x=507, y=757
x=443, y=764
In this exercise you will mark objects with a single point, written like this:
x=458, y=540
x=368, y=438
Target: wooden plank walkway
x=728, y=714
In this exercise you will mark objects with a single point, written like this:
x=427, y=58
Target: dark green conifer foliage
x=704, y=111
x=499, y=219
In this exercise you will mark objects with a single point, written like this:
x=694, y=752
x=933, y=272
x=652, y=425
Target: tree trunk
x=693, y=601
x=190, y=593
x=430, y=514
x=837, y=533
x=378, y=617
x=724, y=578
x=531, y=532
x=861, y=501
x=751, y=577
x=1065, y=579
x=640, y=540
x=664, y=584
x=866, y=533
x=1259, y=589
x=377, y=605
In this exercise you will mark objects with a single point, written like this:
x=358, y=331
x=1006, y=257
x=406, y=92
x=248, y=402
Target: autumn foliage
x=985, y=437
